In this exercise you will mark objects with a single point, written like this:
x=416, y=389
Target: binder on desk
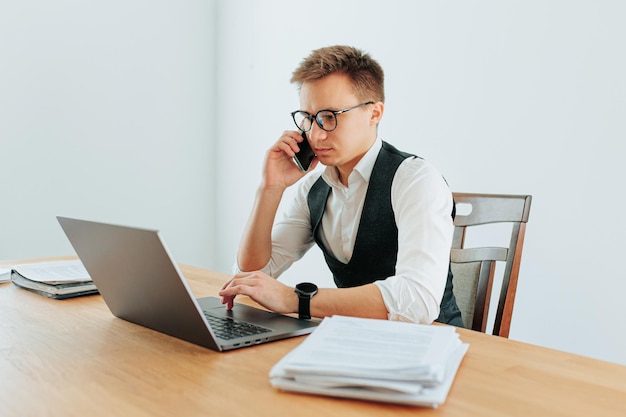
x=58, y=279
x=5, y=275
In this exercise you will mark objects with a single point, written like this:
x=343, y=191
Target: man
x=382, y=218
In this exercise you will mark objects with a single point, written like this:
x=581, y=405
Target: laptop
x=140, y=283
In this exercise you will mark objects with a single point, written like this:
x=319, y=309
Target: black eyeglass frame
x=311, y=117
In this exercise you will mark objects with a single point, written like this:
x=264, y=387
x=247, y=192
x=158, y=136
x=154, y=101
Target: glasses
x=325, y=119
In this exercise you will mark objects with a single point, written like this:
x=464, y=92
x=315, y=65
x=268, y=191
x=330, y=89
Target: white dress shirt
x=422, y=206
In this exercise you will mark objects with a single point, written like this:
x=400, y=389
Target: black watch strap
x=305, y=291
x=304, y=309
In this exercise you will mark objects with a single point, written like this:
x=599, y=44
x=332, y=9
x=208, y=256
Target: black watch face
x=306, y=288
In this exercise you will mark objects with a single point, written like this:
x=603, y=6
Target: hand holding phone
x=305, y=156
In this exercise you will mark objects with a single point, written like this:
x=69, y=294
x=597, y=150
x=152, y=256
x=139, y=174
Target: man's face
x=356, y=129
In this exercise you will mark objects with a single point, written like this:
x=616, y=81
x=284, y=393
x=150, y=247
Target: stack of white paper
x=56, y=279
x=376, y=360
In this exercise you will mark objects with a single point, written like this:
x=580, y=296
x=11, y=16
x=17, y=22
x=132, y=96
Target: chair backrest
x=474, y=267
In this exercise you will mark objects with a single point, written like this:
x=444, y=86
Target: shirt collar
x=363, y=168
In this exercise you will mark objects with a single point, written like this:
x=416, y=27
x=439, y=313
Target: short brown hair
x=366, y=74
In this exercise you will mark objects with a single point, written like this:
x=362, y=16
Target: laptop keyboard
x=226, y=328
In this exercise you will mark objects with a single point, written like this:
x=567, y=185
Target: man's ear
x=377, y=112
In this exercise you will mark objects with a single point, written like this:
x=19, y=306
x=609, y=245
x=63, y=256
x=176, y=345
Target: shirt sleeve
x=422, y=204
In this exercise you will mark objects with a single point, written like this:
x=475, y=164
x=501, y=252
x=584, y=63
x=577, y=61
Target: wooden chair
x=474, y=267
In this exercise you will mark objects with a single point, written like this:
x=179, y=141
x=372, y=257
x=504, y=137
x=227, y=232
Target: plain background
x=158, y=114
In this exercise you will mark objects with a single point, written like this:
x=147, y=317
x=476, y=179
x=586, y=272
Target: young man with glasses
x=382, y=218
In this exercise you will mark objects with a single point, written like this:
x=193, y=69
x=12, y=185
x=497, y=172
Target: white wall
x=106, y=113
x=113, y=110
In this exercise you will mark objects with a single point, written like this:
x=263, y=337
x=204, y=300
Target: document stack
x=374, y=360
x=59, y=279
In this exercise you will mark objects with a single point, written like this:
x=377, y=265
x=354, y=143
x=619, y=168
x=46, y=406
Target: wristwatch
x=305, y=291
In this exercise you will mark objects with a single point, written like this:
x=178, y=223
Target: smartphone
x=305, y=156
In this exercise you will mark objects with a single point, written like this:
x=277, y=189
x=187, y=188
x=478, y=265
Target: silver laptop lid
x=138, y=279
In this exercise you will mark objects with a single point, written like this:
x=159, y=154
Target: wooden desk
x=73, y=358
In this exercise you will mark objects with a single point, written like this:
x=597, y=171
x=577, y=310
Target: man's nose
x=317, y=133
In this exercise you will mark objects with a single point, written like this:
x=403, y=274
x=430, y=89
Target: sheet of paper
x=56, y=272
x=378, y=349
x=384, y=385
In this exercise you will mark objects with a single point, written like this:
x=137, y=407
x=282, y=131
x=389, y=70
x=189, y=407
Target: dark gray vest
x=376, y=246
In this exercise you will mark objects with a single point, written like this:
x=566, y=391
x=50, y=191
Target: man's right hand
x=279, y=169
